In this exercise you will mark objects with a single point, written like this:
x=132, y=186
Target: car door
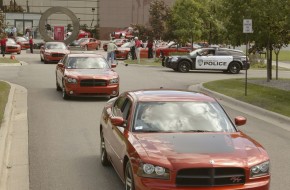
x=60, y=70
x=116, y=135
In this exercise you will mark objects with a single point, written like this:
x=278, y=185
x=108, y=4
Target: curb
x=249, y=109
x=14, y=163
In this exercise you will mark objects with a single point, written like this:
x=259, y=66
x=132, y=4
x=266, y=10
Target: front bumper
x=155, y=184
x=93, y=91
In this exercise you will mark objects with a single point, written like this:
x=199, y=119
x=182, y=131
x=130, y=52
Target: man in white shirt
x=111, y=52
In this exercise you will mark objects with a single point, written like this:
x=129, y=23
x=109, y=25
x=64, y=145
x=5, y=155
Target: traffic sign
x=247, y=26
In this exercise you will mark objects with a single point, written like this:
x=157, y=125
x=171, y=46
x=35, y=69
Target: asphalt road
x=64, y=135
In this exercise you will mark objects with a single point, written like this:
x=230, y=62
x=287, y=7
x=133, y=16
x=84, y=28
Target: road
x=64, y=151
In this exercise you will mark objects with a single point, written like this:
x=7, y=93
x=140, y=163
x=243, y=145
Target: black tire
x=183, y=66
x=234, y=68
x=129, y=56
x=65, y=96
x=129, y=180
x=104, y=157
x=58, y=88
x=19, y=52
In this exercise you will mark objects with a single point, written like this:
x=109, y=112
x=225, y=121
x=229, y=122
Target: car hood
x=92, y=73
x=123, y=49
x=199, y=149
x=57, y=51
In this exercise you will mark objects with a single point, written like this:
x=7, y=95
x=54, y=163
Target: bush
x=257, y=61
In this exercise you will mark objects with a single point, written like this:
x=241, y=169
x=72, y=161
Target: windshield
x=55, y=46
x=87, y=63
x=125, y=45
x=82, y=40
x=181, y=117
x=21, y=39
x=193, y=53
x=11, y=41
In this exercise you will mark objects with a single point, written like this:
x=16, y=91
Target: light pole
x=93, y=10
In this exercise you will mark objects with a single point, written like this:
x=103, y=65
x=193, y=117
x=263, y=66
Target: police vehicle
x=224, y=59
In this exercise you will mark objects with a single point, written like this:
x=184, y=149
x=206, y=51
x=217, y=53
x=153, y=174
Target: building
x=109, y=15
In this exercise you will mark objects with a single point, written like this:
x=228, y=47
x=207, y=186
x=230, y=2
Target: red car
x=123, y=52
x=23, y=42
x=12, y=46
x=53, y=51
x=87, y=75
x=118, y=42
x=89, y=43
x=127, y=33
x=179, y=140
x=170, y=48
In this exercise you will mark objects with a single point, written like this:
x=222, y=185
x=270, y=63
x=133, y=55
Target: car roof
x=84, y=55
x=151, y=95
x=54, y=42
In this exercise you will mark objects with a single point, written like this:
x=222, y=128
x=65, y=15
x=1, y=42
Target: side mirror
x=117, y=121
x=240, y=120
x=198, y=53
x=113, y=65
x=60, y=64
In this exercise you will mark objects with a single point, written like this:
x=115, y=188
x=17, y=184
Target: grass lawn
x=268, y=98
x=4, y=91
x=284, y=55
x=147, y=62
x=8, y=60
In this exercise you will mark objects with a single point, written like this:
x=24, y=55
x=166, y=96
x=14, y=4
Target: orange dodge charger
x=179, y=140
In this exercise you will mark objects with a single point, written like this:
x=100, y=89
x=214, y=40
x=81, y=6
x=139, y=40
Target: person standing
x=14, y=31
x=137, y=49
x=150, y=48
x=111, y=52
x=132, y=49
x=3, y=45
x=31, y=44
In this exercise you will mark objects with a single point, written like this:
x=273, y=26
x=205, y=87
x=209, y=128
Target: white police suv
x=226, y=60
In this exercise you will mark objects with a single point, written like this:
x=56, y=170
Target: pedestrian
x=3, y=45
x=132, y=49
x=111, y=47
x=31, y=44
x=150, y=48
x=14, y=31
x=137, y=49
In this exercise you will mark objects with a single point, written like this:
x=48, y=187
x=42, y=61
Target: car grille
x=210, y=177
x=12, y=47
x=93, y=82
x=57, y=55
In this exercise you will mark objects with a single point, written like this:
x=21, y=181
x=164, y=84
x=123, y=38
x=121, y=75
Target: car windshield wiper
x=197, y=131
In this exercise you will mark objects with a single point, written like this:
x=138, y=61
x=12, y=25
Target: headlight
x=151, y=171
x=114, y=81
x=260, y=169
x=174, y=59
x=71, y=80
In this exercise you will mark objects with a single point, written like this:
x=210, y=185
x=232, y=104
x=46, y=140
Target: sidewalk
x=14, y=162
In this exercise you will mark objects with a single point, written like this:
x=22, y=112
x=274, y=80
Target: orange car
x=23, y=42
x=86, y=75
x=53, y=51
x=124, y=52
x=89, y=43
x=12, y=46
x=179, y=140
x=118, y=42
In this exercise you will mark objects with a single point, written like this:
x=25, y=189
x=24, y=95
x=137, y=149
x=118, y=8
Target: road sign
x=247, y=26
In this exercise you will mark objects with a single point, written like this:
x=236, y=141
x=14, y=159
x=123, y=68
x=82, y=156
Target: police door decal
x=213, y=62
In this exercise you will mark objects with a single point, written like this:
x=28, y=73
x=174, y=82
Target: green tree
x=186, y=20
x=270, y=24
x=158, y=15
